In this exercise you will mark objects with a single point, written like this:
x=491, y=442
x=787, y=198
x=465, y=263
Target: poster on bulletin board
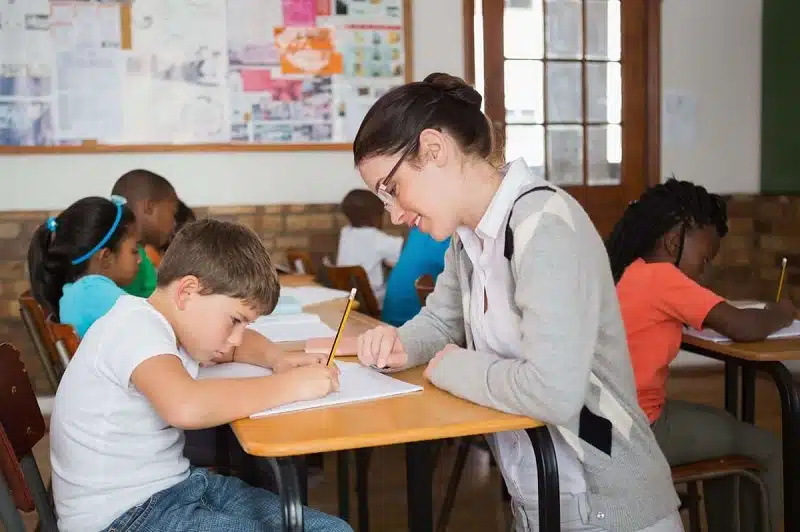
x=173, y=74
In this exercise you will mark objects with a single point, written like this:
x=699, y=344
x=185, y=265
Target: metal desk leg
x=547, y=472
x=790, y=415
x=289, y=491
x=731, y=387
x=748, y=393
x=343, y=484
x=419, y=486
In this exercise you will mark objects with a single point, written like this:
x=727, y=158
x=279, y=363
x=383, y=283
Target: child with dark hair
x=78, y=260
x=154, y=203
x=183, y=215
x=660, y=252
x=362, y=243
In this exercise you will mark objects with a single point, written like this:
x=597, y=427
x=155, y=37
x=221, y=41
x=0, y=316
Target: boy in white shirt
x=362, y=243
x=131, y=390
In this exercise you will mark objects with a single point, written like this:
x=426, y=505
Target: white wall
x=53, y=181
x=711, y=51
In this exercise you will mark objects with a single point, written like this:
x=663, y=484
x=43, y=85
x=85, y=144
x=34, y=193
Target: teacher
x=524, y=318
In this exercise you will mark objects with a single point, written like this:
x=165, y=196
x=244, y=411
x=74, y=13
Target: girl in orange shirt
x=660, y=251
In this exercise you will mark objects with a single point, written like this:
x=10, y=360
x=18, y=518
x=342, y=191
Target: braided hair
x=662, y=207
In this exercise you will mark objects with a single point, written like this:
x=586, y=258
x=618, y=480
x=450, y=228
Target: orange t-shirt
x=657, y=300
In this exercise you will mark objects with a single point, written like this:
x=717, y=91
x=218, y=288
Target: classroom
x=335, y=215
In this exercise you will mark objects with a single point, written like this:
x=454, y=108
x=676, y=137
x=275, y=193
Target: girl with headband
x=79, y=259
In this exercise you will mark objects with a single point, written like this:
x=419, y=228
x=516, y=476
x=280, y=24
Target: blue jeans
x=210, y=502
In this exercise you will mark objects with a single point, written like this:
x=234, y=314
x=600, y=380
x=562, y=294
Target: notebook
x=287, y=305
x=311, y=295
x=792, y=331
x=356, y=383
x=292, y=327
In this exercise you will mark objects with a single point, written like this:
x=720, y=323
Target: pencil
x=780, y=283
x=347, y=308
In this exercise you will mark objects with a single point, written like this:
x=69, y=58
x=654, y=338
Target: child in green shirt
x=154, y=202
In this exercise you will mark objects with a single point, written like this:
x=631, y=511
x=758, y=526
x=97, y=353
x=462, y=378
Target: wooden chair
x=349, y=277
x=66, y=340
x=35, y=320
x=300, y=261
x=424, y=286
x=21, y=427
x=694, y=473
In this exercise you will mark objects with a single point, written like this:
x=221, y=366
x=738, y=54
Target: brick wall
x=763, y=229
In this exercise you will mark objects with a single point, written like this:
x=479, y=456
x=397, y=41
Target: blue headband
x=119, y=201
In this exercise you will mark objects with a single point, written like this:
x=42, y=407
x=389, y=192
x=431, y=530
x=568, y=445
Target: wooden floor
x=479, y=505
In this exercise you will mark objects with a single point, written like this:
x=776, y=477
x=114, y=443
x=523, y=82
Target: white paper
x=311, y=295
x=792, y=331
x=251, y=40
x=292, y=327
x=26, y=51
x=85, y=25
x=90, y=93
x=679, y=118
x=356, y=383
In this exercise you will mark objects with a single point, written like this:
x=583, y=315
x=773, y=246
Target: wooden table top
x=764, y=351
x=427, y=415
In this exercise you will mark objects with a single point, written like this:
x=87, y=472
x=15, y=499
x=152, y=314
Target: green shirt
x=145, y=281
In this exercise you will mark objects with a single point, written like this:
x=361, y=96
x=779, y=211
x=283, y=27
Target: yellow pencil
x=780, y=283
x=347, y=308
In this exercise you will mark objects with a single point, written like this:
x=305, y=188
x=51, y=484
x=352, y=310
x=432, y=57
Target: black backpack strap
x=509, y=248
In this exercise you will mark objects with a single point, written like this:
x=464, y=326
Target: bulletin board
x=195, y=75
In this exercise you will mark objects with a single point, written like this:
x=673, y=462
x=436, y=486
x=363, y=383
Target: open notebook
x=292, y=327
x=356, y=383
x=792, y=331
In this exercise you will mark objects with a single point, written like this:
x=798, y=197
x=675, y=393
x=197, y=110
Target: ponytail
x=46, y=274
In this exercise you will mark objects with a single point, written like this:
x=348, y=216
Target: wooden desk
x=767, y=356
x=415, y=419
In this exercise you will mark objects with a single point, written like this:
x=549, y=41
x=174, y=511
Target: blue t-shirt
x=421, y=254
x=86, y=300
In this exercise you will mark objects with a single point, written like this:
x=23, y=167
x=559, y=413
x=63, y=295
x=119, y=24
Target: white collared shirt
x=497, y=330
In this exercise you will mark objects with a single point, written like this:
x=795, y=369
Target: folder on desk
x=356, y=383
x=792, y=331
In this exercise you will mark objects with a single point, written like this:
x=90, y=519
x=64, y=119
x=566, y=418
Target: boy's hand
x=313, y=382
x=785, y=310
x=290, y=361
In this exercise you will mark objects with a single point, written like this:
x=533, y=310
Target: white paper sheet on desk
x=311, y=295
x=356, y=383
x=292, y=327
x=792, y=331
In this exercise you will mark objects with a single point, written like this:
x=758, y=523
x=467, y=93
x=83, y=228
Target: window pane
x=526, y=142
x=524, y=90
x=564, y=92
x=523, y=31
x=605, y=154
x=565, y=155
x=563, y=26
x=604, y=88
x=477, y=28
x=603, y=29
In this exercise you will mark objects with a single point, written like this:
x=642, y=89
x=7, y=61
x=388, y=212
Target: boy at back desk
x=117, y=428
x=154, y=204
x=660, y=252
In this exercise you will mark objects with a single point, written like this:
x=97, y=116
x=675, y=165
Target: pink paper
x=299, y=13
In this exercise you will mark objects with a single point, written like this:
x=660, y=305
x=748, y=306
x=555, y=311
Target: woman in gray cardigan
x=524, y=317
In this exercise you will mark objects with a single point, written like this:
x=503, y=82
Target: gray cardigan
x=575, y=372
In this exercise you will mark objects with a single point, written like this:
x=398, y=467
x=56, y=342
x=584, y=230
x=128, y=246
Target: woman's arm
x=558, y=297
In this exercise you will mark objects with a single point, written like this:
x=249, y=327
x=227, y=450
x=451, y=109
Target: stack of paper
x=311, y=295
x=292, y=327
x=792, y=331
x=356, y=383
x=287, y=305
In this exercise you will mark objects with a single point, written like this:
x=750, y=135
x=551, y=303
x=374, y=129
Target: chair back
x=66, y=340
x=348, y=277
x=300, y=261
x=424, y=286
x=35, y=320
x=21, y=427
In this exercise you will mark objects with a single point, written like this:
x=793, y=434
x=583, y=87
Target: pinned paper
x=308, y=51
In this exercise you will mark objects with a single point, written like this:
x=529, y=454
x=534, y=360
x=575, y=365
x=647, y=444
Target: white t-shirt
x=369, y=247
x=109, y=448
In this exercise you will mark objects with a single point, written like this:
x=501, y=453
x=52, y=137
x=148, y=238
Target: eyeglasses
x=386, y=187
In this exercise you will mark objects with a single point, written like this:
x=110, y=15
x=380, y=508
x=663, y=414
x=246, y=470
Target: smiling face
x=425, y=191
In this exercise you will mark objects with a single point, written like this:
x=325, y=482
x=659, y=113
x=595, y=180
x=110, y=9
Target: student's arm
x=256, y=349
x=682, y=298
x=187, y=403
x=558, y=296
x=749, y=325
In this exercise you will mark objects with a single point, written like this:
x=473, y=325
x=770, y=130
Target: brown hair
x=441, y=101
x=362, y=208
x=227, y=258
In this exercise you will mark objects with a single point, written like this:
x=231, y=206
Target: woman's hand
x=381, y=348
x=449, y=348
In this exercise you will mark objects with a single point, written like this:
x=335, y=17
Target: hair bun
x=454, y=87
